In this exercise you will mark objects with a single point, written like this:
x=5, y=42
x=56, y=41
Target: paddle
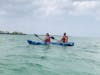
x=38, y=37
x=52, y=37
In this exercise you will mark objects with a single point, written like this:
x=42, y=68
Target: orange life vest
x=64, y=39
x=47, y=39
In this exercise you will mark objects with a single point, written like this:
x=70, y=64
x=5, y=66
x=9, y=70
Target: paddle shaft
x=38, y=37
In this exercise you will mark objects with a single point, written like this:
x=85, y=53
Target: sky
x=75, y=17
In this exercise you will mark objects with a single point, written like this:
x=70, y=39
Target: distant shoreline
x=12, y=33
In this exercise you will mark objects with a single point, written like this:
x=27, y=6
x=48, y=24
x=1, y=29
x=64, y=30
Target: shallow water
x=19, y=58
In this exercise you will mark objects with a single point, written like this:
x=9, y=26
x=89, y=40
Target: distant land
x=12, y=33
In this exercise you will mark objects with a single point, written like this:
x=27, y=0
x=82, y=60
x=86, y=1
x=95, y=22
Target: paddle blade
x=52, y=37
x=36, y=35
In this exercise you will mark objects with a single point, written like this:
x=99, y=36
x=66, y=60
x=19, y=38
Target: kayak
x=30, y=42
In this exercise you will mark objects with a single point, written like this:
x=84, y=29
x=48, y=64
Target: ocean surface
x=19, y=58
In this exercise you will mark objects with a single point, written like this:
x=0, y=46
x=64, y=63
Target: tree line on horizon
x=13, y=33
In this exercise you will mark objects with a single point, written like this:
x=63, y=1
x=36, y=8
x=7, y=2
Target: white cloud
x=51, y=7
x=83, y=7
x=85, y=4
x=66, y=7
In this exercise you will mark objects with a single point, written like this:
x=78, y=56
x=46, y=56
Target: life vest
x=47, y=39
x=64, y=39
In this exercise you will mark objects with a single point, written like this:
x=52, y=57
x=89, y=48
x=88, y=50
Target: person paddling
x=47, y=38
x=64, y=38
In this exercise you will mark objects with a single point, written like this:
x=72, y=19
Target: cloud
x=38, y=8
x=22, y=8
x=83, y=7
x=15, y=8
x=66, y=7
x=51, y=7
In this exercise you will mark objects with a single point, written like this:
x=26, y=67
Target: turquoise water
x=19, y=58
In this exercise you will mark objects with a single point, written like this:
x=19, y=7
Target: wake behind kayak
x=30, y=42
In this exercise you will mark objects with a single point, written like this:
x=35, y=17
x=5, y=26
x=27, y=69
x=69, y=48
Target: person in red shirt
x=47, y=38
x=64, y=38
